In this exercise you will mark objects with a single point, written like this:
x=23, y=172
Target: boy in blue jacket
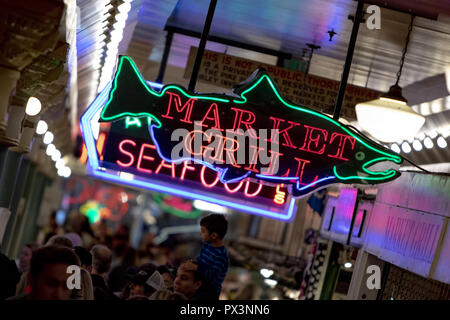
x=212, y=263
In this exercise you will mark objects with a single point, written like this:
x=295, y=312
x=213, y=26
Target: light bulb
x=433, y=134
x=121, y=17
x=266, y=273
x=56, y=155
x=428, y=143
x=388, y=120
x=124, y=7
x=50, y=149
x=406, y=147
x=33, y=106
x=441, y=142
x=206, y=206
x=417, y=145
x=66, y=172
x=395, y=148
x=348, y=265
x=48, y=137
x=41, y=127
x=60, y=163
x=270, y=282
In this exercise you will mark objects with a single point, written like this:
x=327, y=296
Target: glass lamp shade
x=388, y=120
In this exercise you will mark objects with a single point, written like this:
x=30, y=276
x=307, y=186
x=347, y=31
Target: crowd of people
x=108, y=268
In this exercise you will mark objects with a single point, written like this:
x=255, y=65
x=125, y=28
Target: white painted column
x=359, y=289
x=8, y=80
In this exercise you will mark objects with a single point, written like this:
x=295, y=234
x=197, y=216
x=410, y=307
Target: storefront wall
x=405, y=228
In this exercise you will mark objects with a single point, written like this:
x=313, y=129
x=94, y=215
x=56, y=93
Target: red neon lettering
x=126, y=152
x=170, y=166
x=190, y=137
x=274, y=156
x=207, y=151
x=343, y=138
x=309, y=140
x=284, y=132
x=214, y=118
x=188, y=105
x=202, y=178
x=235, y=189
x=230, y=150
x=186, y=166
x=238, y=122
x=254, y=160
x=247, y=184
x=301, y=168
x=142, y=156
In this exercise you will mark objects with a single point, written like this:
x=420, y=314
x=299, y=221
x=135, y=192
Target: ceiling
x=287, y=26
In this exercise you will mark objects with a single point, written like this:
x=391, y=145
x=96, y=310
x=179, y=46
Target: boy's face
x=206, y=236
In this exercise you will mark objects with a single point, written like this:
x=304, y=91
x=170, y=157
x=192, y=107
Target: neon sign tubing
x=93, y=164
x=381, y=175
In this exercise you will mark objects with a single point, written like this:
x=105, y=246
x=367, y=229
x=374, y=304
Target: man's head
x=101, y=259
x=25, y=256
x=48, y=273
x=59, y=241
x=187, y=282
x=213, y=227
x=85, y=257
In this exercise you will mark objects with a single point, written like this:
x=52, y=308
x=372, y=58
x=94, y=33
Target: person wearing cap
x=167, y=275
x=146, y=281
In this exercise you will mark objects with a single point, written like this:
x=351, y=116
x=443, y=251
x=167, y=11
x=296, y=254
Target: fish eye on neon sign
x=315, y=150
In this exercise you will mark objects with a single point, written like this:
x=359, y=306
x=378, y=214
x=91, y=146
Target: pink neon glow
x=128, y=164
x=142, y=156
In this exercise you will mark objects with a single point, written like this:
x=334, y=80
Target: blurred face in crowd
x=168, y=281
x=136, y=289
x=185, y=282
x=24, y=259
x=51, y=283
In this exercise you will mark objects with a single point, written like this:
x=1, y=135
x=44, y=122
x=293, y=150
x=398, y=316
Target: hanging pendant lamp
x=389, y=118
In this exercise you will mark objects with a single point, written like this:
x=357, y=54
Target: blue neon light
x=313, y=183
x=195, y=196
x=93, y=166
x=263, y=176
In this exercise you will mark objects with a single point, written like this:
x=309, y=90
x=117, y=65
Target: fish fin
x=259, y=88
x=233, y=175
x=129, y=94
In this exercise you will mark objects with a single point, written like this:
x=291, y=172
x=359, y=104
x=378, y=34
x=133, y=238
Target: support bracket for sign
x=201, y=46
x=348, y=60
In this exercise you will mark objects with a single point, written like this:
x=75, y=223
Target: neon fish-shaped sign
x=313, y=150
